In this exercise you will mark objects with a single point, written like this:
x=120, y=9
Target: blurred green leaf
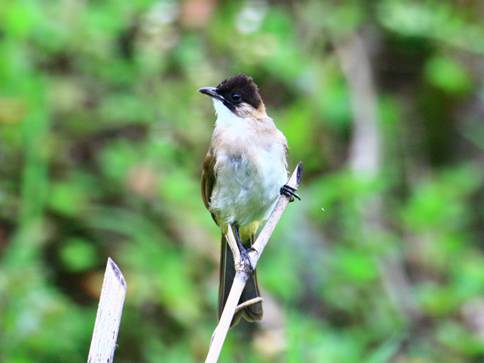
x=448, y=75
x=78, y=254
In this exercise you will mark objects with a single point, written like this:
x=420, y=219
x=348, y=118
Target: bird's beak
x=212, y=92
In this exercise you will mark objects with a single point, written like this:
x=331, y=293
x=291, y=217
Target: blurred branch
x=243, y=268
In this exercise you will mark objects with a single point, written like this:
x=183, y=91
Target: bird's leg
x=244, y=251
x=289, y=192
x=238, y=239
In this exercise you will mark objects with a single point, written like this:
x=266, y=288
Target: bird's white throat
x=225, y=117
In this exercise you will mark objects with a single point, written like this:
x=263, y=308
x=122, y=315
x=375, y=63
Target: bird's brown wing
x=208, y=179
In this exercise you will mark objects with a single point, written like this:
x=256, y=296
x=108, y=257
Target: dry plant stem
x=108, y=316
x=248, y=303
x=242, y=274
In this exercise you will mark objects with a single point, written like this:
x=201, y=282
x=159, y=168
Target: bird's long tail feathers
x=252, y=312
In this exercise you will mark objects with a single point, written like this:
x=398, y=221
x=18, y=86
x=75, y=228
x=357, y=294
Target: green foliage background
x=102, y=135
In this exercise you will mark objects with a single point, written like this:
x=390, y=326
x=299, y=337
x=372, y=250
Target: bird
x=243, y=174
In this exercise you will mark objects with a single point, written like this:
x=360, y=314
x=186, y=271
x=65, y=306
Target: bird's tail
x=252, y=312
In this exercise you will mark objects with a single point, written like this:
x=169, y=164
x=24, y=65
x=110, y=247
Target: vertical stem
x=108, y=316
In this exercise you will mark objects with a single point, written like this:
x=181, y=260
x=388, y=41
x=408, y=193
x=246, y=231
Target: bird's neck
x=245, y=117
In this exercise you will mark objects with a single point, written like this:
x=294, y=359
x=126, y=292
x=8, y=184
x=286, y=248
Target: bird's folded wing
x=208, y=178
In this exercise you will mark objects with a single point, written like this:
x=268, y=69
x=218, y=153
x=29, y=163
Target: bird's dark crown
x=240, y=88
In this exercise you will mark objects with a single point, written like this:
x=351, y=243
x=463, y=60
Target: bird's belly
x=247, y=188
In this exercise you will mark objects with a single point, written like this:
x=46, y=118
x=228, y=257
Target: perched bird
x=244, y=172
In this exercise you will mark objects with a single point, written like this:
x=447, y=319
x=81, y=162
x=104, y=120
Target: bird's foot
x=289, y=192
x=245, y=264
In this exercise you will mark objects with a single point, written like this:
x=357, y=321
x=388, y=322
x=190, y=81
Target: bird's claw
x=245, y=264
x=289, y=192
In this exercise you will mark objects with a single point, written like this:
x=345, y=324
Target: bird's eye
x=236, y=97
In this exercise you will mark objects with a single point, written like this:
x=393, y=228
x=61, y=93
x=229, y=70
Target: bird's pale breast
x=248, y=183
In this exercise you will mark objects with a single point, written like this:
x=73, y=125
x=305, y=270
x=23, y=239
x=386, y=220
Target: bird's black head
x=236, y=91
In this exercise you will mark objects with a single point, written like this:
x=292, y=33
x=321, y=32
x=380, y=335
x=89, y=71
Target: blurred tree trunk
x=366, y=158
